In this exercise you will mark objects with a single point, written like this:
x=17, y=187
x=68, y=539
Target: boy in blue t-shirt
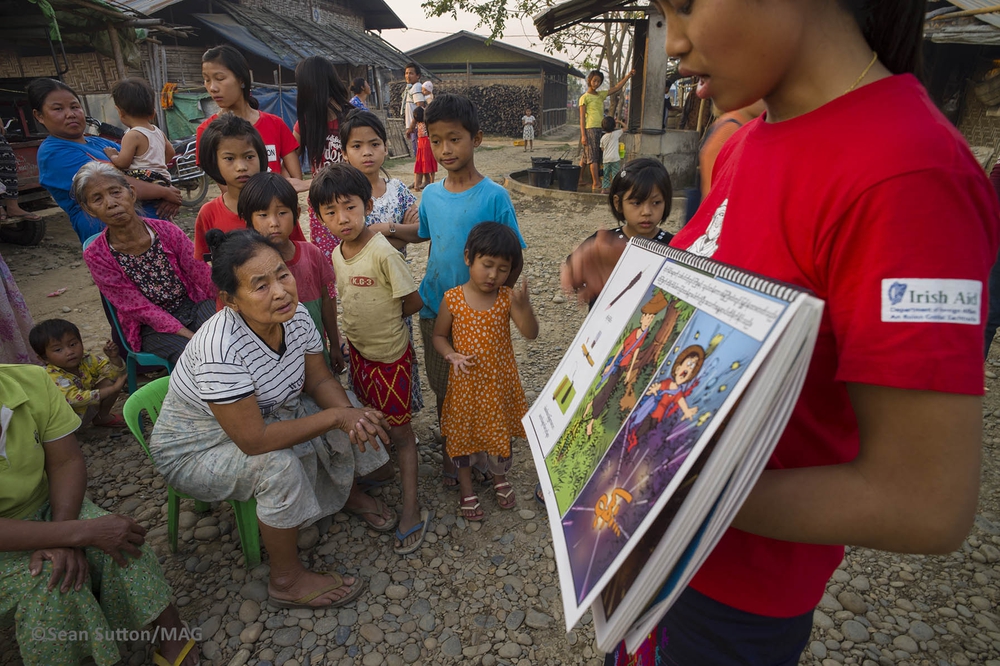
x=449, y=209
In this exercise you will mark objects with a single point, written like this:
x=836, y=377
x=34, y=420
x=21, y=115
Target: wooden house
x=466, y=60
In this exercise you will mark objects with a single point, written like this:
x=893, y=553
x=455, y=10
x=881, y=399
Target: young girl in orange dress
x=485, y=401
x=426, y=166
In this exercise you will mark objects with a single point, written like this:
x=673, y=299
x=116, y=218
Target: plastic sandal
x=471, y=503
x=422, y=526
x=505, y=495
x=338, y=582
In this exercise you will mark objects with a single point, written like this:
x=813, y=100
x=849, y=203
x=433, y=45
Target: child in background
x=428, y=89
x=230, y=152
x=91, y=384
x=611, y=157
x=528, y=133
x=377, y=292
x=639, y=197
x=485, y=400
x=449, y=209
x=269, y=204
x=145, y=150
x=591, y=117
x=394, y=210
x=425, y=167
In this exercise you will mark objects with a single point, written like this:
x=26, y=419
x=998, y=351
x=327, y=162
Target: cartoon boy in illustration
x=623, y=364
x=673, y=391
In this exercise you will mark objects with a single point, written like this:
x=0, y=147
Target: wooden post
x=116, y=48
x=655, y=72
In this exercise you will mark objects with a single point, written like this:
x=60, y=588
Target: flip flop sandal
x=482, y=476
x=116, y=421
x=387, y=526
x=425, y=522
x=505, y=495
x=539, y=497
x=470, y=503
x=160, y=660
x=338, y=582
x=450, y=475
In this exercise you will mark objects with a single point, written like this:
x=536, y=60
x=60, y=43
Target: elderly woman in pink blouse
x=144, y=267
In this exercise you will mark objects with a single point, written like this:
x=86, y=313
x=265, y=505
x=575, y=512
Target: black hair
x=361, y=118
x=227, y=126
x=608, y=124
x=492, y=239
x=448, y=107
x=597, y=73
x=39, y=90
x=135, y=97
x=230, y=251
x=412, y=65
x=637, y=179
x=320, y=91
x=418, y=114
x=261, y=190
x=338, y=181
x=234, y=61
x=358, y=85
x=894, y=29
x=42, y=333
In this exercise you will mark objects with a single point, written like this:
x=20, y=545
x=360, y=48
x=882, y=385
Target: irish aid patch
x=920, y=300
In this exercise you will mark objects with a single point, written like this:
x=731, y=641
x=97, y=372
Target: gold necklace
x=863, y=74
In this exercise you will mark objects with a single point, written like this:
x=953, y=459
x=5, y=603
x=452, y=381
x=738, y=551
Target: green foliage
x=491, y=13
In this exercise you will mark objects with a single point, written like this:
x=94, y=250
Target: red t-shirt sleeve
x=911, y=227
x=197, y=136
x=201, y=226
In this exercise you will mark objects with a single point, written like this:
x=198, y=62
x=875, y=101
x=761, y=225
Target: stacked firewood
x=500, y=106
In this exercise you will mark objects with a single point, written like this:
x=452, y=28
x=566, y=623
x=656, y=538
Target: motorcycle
x=185, y=174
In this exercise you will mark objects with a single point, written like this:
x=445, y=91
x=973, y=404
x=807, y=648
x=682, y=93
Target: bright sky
x=423, y=30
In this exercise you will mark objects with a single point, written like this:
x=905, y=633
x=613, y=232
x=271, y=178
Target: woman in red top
x=322, y=104
x=882, y=450
x=226, y=75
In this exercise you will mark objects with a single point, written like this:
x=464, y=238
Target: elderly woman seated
x=65, y=564
x=144, y=267
x=253, y=411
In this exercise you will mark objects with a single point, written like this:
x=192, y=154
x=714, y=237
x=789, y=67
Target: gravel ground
x=486, y=593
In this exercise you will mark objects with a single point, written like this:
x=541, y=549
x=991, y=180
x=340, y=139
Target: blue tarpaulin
x=279, y=101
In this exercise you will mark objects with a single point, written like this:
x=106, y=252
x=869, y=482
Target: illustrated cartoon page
x=618, y=427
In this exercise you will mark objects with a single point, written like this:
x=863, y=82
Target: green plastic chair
x=149, y=398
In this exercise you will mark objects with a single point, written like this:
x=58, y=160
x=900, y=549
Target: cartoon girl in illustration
x=673, y=391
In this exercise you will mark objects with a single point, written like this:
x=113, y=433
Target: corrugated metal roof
x=570, y=13
x=993, y=19
x=292, y=39
x=147, y=7
x=465, y=34
x=377, y=14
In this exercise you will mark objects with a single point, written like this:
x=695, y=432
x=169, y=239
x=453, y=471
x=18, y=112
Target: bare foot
x=306, y=582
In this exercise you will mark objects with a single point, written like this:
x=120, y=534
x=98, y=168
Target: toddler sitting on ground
x=90, y=383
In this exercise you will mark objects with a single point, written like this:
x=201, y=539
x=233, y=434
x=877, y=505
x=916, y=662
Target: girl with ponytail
x=226, y=75
x=895, y=226
x=322, y=105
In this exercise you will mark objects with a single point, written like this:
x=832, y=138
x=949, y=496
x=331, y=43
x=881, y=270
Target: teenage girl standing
x=226, y=75
x=322, y=103
x=882, y=450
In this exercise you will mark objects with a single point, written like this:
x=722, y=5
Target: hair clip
x=623, y=172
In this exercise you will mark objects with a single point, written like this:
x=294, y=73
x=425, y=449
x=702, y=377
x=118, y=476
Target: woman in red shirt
x=882, y=450
x=226, y=75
